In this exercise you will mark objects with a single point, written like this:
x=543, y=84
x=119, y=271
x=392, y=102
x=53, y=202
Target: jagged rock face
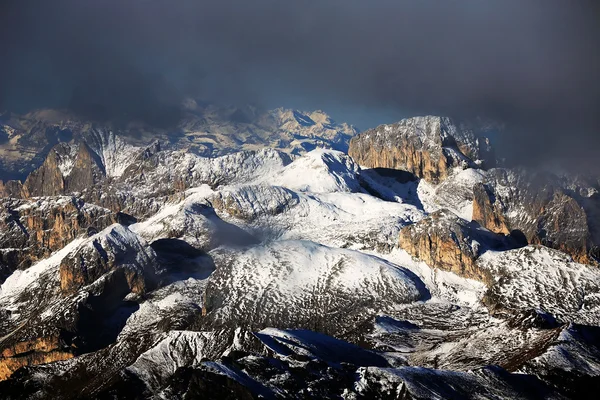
x=33, y=229
x=102, y=175
x=87, y=170
x=425, y=146
x=209, y=130
x=67, y=169
x=540, y=209
x=445, y=241
x=117, y=248
x=11, y=189
x=488, y=212
x=167, y=307
x=75, y=301
x=34, y=352
x=176, y=367
x=46, y=180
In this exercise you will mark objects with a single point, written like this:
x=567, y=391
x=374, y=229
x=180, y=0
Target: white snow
x=288, y=274
x=537, y=277
x=320, y=171
x=67, y=162
x=443, y=285
x=19, y=280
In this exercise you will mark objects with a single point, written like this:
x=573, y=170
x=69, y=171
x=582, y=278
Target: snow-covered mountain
x=142, y=271
x=203, y=129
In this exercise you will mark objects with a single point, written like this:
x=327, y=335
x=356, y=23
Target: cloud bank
x=532, y=64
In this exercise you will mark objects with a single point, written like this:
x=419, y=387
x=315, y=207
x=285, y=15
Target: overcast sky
x=533, y=64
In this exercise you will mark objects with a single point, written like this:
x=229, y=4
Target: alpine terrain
x=278, y=254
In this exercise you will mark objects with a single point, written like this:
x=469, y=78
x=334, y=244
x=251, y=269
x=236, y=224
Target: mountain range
x=277, y=254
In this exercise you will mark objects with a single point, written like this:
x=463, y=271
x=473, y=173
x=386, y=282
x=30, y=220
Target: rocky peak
x=446, y=241
x=428, y=147
x=79, y=165
x=47, y=180
x=68, y=168
x=541, y=209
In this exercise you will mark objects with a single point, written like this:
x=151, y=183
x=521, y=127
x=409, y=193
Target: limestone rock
x=445, y=241
x=67, y=169
x=12, y=189
x=541, y=209
x=35, y=352
x=114, y=248
x=425, y=146
x=486, y=210
x=33, y=229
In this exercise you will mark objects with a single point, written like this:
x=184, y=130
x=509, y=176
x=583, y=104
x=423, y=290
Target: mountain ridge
x=161, y=272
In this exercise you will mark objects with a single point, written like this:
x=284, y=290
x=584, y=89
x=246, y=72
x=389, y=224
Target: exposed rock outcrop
x=67, y=169
x=445, y=241
x=9, y=365
x=114, y=248
x=33, y=229
x=541, y=209
x=488, y=212
x=32, y=352
x=12, y=189
x=425, y=146
x=76, y=301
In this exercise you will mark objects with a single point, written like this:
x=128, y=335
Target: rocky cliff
x=445, y=241
x=428, y=147
x=74, y=302
x=32, y=229
x=239, y=265
x=13, y=189
x=115, y=248
x=540, y=208
x=34, y=352
x=67, y=169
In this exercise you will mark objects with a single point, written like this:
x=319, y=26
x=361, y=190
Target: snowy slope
x=297, y=283
x=319, y=171
x=536, y=277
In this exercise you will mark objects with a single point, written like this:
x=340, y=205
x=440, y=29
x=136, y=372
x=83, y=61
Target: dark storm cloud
x=533, y=64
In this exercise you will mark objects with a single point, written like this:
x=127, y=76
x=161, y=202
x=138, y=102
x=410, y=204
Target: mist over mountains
x=532, y=65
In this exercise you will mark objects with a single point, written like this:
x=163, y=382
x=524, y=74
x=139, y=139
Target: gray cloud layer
x=533, y=64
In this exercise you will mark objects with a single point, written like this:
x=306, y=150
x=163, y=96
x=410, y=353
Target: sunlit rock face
x=446, y=241
x=32, y=229
x=116, y=248
x=542, y=209
x=428, y=147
